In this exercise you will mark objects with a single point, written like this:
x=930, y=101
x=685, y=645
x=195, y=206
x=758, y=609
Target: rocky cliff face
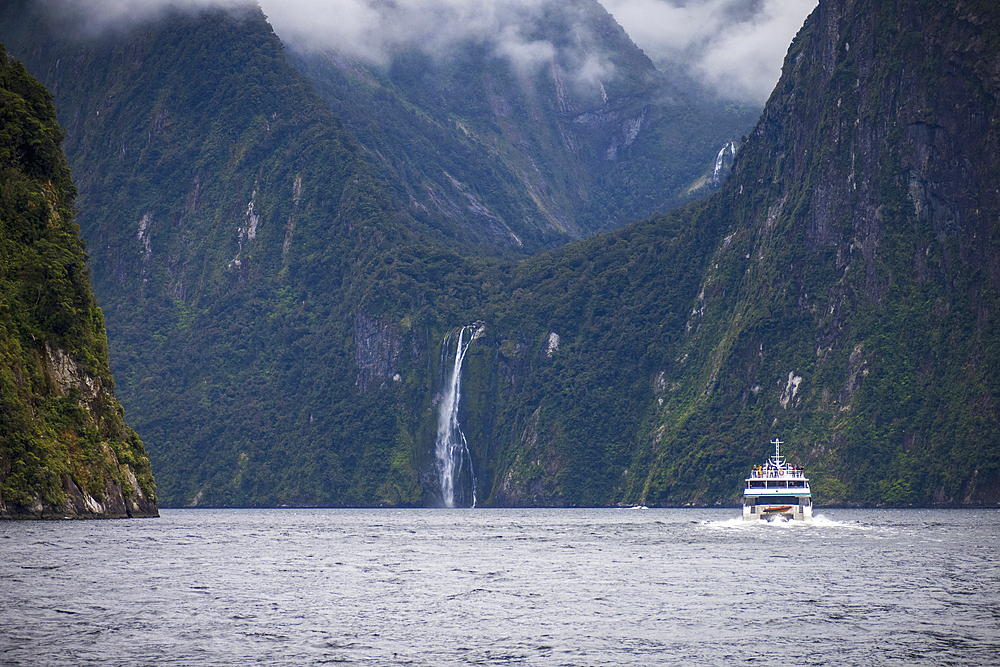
x=883, y=109
x=65, y=450
x=840, y=292
x=851, y=306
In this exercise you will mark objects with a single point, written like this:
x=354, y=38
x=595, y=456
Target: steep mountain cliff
x=852, y=306
x=841, y=292
x=288, y=317
x=65, y=449
x=230, y=222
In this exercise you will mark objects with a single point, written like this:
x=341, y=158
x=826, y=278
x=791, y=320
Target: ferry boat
x=777, y=490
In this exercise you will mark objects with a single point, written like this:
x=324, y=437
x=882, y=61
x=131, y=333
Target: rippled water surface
x=498, y=587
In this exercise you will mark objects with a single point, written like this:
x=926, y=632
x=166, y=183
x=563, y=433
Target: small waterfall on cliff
x=451, y=448
x=718, y=164
x=717, y=172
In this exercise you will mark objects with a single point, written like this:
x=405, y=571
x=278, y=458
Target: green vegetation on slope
x=851, y=309
x=279, y=305
x=239, y=241
x=61, y=430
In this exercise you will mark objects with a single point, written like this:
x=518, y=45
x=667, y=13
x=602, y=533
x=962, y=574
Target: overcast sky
x=734, y=46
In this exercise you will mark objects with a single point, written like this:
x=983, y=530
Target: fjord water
x=499, y=587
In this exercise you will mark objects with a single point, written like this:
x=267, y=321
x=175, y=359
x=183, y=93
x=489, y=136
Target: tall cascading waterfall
x=451, y=448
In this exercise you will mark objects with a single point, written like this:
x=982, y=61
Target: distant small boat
x=777, y=489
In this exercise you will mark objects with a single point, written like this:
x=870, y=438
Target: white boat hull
x=765, y=512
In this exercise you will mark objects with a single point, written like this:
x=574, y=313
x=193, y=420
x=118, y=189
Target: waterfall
x=718, y=164
x=451, y=448
x=717, y=172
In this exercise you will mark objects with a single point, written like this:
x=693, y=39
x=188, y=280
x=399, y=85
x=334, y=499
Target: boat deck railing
x=788, y=472
x=762, y=484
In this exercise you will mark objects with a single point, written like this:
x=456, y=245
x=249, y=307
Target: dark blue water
x=502, y=587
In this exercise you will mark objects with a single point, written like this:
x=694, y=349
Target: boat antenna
x=776, y=442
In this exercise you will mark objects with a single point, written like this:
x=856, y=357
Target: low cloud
x=733, y=46
x=374, y=30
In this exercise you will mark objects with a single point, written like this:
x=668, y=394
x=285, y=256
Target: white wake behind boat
x=777, y=490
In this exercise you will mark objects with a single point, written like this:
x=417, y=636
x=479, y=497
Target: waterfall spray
x=451, y=448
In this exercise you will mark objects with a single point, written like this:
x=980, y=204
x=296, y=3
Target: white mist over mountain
x=373, y=30
x=733, y=46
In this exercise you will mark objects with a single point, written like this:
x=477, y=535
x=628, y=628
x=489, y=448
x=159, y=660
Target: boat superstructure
x=777, y=490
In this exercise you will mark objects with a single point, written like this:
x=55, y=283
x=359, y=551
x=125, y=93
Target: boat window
x=779, y=500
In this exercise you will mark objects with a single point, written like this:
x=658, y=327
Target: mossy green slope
x=65, y=449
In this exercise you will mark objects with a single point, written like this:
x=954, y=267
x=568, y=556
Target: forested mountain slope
x=228, y=216
x=845, y=296
x=852, y=305
x=840, y=292
x=65, y=449
x=287, y=318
